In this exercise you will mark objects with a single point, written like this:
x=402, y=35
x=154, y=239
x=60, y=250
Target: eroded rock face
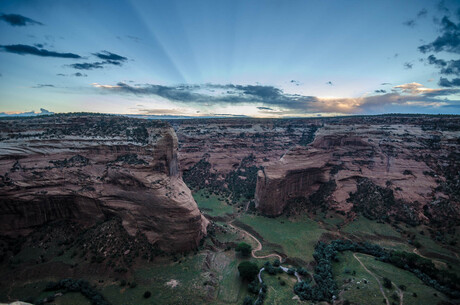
x=87, y=168
x=402, y=169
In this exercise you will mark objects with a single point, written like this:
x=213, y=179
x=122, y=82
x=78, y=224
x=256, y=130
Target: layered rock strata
x=400, y=169
x=87, y=168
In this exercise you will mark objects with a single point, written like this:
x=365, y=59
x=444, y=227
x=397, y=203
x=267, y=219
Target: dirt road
x=259, y=245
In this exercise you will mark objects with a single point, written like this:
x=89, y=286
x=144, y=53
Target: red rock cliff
x=86, y=168
x=399, y=159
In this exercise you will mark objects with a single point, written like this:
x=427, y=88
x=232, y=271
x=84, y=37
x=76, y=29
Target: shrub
x=248, y=270
x=248, y=301
x=244, y=249
x=302, y=271
x=387, y=283
x=147, y=294
x=253, y=286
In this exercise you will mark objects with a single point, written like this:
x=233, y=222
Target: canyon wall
x=400, y=170
x=87, y=168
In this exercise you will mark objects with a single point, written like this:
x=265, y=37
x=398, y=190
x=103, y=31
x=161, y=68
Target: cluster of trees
x=308, y=136
x=248, y=270
x=325, y=254
x=441, y=280
x=244, y=249
x=82, y=286
x=325, y=286
x=384, y=203
x=243, y=188
x=138, y=134
x=273, y=269
x=200, y=176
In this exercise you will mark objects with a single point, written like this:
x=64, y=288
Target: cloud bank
x=18, y=20
x=107, y=57
x=272, y=100
x=22, y=49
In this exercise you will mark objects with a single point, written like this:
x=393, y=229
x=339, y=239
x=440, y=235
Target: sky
x=230, y=58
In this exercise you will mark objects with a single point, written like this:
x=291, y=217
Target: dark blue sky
x=258, y=58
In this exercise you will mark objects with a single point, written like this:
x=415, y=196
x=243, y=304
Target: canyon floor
x=210, y=275
x=221, y=162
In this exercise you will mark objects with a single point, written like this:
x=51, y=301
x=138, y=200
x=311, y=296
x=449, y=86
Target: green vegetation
x=248, y=270
x=363, y=225
x=424, y=294
x=325, y=287
x=240, y=183
x=302, y=231
x=279, y=293
x=359, y=287
x=211, y=204
x=82, y=286
x=244, y=249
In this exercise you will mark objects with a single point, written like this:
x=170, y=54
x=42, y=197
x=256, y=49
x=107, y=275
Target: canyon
x=90, y=168
x=128, y=206
x=410, y=163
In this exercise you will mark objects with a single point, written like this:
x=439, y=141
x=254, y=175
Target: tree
x=147, y=294
x=253, y=287
x=387, y=283
x=244, y=249
x=248, y=270
x=248, y=301
x=302, y=271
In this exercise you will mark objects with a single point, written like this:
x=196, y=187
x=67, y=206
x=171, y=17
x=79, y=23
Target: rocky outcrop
x=402, y=167
x=287, y=180
x=89, y=168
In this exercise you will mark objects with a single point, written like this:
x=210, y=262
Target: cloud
x=409, y=23
x=78, y=74
x=18, y=20
x=444, y=82
x=265, y=98
x=408, y=65
x=417, y=89
x=22, y=49
x=385, y=84
x=380, y=91
x=38, y=86
x=110, y=57
x=449, y=40
x=87, y=65
x=130, y=37
x=295, y=82
x=451, y=67
x=330, y=83
x=422, y=13
x=30, y=113
x=441, y=6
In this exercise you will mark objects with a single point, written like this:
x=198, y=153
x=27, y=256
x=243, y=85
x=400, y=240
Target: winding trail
x=259, y=245
x=376, y=278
